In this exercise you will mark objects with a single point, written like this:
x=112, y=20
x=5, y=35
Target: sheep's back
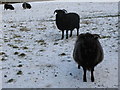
x=67, y=21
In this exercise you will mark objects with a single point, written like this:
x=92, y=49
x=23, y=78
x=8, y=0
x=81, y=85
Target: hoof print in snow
x=22, y=55
x=19, y=73
x=62, y=54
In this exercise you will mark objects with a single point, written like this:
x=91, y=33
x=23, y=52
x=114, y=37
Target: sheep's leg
x=92, y=75
x=84, y=75
x=70, y=33
x=66, y=34
x=78, y=66
x=62, y=34
x=77, y=32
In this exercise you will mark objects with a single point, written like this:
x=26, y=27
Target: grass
x=101, y=16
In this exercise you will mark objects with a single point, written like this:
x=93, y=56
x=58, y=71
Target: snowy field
x=33, y=56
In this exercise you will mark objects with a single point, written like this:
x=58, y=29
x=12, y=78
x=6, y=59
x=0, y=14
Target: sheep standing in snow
x=8, y=6
x=26, y=5
x=67, y=21
x=88, y=53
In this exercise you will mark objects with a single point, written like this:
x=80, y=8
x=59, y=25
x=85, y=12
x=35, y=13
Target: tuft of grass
x=102, y=37
x=24, y=47
x=13, y=46
x=19, y=73
x=41, y=42
x=22, y=55
x=24, y=29
x=42, y=50
x=19, y=65
x=13, y=26
x=2, y=53
x=10, y=80
x=16, y=53
x=3, y=59
x=62, y=54
x=19, y=41
x=6, y=40
x=95, y=28
x=16, y=36
x=41, y=28
x=55, y=43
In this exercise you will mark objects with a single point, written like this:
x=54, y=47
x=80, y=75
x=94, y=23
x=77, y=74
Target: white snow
x=33, y=48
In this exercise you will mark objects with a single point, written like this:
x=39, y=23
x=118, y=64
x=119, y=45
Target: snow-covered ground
x=33, y=56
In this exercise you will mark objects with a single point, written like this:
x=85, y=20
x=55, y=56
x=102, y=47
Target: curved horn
x=65, y=10
x=96, y=36
x=55, y=11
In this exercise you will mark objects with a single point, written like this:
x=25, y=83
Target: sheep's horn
x=64, y=10
x=96, y=36
x=55, y=11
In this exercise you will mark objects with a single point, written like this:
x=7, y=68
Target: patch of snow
x=33, y=50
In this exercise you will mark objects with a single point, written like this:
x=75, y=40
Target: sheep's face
x=60, y=11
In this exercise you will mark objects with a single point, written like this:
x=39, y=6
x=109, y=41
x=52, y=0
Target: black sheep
x=26, y=5
x=88, y=53
x=67, y=21
x=8, y=6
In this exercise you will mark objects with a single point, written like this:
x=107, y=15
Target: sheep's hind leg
x=70, y=33
x=77, y=32
x=92, y=75
x=78, y=66
x=66, y=34
x=62, y=34
x=84, y=75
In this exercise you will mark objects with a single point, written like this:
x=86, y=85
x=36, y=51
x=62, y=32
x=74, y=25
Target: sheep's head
x=60, y=11
x=88, y=35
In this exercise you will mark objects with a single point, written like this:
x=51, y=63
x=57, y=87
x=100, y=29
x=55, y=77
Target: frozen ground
x=33, y=56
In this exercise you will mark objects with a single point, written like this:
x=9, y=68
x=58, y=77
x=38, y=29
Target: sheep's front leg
x=84, y=75
x=92, y=75
x=78, y=66
x=62, y=34
x=66, y=34
x=70, y=33
x=77, y=32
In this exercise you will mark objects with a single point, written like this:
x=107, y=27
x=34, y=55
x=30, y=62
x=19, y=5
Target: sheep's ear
x=96, y=36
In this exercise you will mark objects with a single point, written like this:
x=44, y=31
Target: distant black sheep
x=67, y=21
x=8, y=6
x=26, y=5
x=88, y=53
